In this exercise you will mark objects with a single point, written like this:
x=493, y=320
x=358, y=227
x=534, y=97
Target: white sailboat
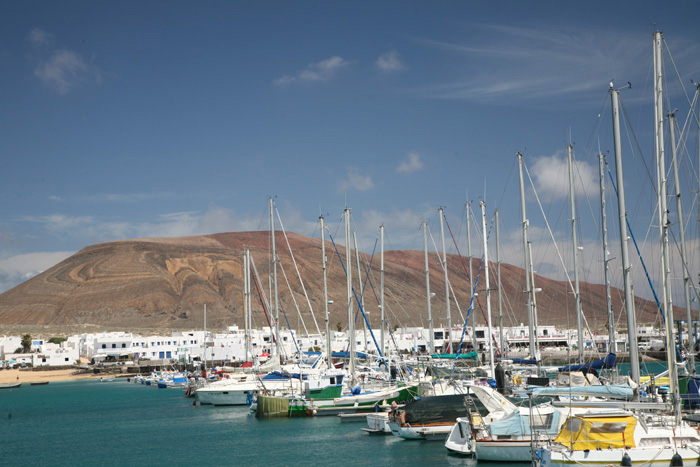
x=625, y=437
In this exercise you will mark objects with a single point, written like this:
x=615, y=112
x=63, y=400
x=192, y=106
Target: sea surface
x=120, y=424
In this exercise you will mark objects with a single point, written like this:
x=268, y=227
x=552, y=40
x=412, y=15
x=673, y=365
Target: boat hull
x=653, y=456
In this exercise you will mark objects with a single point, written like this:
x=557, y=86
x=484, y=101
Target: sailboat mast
x=624, y=250
x=381, y=286
x=488, y=288
x=498, y=279
x=681, y=229
x=351, y=318
x=447, y=283
x=431, y=333
x=612, y=345
x=529, y=286
x=329, y=352
x=245, y=303
x=663, y=218
x=471, y=280
x=574, y=242
x=275, y=349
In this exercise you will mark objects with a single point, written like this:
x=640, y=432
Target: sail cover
x=602, y=364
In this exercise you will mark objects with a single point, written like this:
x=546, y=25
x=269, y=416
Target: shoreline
x=28, y=376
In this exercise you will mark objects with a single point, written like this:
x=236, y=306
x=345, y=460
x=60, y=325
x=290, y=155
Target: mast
x=275, y=349
x=529, y=276
x=351, y=320
x=245, y=302
x=574, y=240
x=329, y=352
x=624, y=250
x=362, y=294
x=663, y=220
x=205, y=336
x=488, y=289
x=498, y=279
x=612, y=345
x=431, y=333
x=447, y=284
x=381, y=286
x=471, y=280
x=681, y=228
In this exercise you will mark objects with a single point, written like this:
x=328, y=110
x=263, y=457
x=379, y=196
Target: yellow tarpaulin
x=609, y=431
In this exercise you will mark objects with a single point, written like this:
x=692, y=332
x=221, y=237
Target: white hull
x=378, y=422
x=460, y=439
x=238, y=394
x=429, y=432
x=503, y=451
x=653, y=456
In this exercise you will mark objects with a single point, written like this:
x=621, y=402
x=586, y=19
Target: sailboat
x=622, y=436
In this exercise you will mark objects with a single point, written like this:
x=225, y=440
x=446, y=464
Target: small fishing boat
x=10, y=385
x=38, y=383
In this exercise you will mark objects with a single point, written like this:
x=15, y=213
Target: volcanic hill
x=164, y=283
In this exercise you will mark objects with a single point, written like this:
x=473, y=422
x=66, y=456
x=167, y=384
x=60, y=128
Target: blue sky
x=151, y=119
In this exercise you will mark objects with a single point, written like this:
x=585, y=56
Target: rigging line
x=449, y=282
x=294, y=300
x=265, y=305
x=639, y=253
x=556, y=247
x=296, y=267
x=549, y=229
x=292, y=332
x=464, y=266
x=675, y=68
x=357, y=299
x=464, y=328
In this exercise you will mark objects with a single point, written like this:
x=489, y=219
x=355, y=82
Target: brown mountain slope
x=165, y=282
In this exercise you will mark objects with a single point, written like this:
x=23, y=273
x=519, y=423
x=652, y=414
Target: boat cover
x=620, y=391
x=462, y=356
x=517, y=423
x=436, y=409
x=602, y=364
x=598, y=432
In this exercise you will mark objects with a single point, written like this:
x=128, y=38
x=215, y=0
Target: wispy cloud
x=356, y=181
x=39, y=37
x=314, y=72
x=411, y=164
x=519, y=63
x=389, y=62
x=61, y=69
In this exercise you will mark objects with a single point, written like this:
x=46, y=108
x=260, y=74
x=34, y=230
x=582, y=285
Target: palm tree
x=26, y=343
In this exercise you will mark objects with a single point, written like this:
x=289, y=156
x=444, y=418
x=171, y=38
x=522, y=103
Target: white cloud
x=55, y=198
x=356, y=181
x=62, y=69
x=551, y=176
x=65, y=70
x=40, y=37
x=411, y=164
x=389, y=62
x=319, y=71
x=17, y=269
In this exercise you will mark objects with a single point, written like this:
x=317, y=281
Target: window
x=104, y=346
x=479, y=334
x=114, y=346
x=66, y=359
x=123, y=346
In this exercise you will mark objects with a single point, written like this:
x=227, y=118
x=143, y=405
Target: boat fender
x=626, y=461
x=677, y=460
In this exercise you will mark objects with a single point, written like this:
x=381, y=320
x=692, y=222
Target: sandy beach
x=27, y=376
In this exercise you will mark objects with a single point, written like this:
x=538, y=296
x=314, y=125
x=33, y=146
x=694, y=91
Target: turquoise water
x=120, y=423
